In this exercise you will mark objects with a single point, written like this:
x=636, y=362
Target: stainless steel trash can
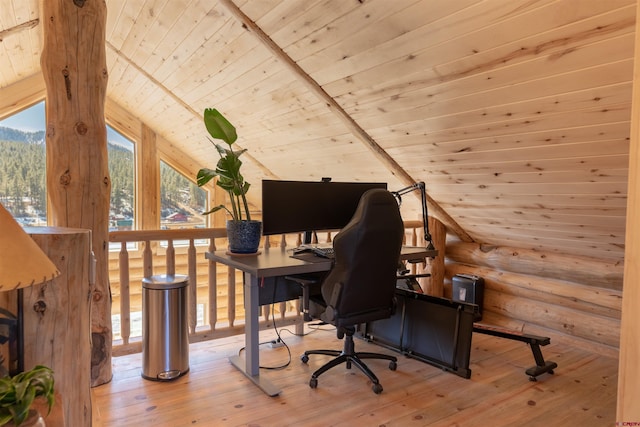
x=165, y=334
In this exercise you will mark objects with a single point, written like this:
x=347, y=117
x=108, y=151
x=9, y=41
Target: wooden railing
x=214, y=300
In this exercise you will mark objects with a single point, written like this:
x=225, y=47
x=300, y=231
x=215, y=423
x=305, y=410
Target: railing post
x=125, y=294
x=147, y=259
x=213, y=288
x=170, y=257
x=193, y=286
x=231, y=295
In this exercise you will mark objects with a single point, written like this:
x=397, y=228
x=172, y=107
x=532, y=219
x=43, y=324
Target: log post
x=78, y=184
x=148, y=185
x=587, y=271
x=435, y=286
x=57, y=317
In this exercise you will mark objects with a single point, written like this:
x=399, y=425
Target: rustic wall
x=571, y=299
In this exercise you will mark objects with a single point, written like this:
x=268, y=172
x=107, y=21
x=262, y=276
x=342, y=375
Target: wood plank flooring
x=581, y=393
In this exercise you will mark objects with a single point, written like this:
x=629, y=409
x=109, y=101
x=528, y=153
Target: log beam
x=21, y=95
x=148, y=183
x=18, y=28
x=597, y=301
x=78, y=184
x=586, y=271
x=599, y=329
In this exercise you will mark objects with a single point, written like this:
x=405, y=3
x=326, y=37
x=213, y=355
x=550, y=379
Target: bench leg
x=541, y=366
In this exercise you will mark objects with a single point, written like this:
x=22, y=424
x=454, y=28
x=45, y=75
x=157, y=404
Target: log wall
x=571, y=299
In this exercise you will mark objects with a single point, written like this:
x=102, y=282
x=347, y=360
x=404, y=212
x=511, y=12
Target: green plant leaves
x=228, y=167
x=18, y=393
x=219, y=127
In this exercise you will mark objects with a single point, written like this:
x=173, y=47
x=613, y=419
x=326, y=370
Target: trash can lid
x=165, y=281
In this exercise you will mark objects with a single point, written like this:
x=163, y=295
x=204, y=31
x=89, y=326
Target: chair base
x=349, y=357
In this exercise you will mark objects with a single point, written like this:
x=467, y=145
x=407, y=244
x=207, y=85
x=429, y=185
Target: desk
x=274, y=263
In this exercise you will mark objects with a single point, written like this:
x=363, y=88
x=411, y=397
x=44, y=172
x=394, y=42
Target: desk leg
x=251, y=365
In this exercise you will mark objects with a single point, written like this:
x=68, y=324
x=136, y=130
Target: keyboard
x=324, y=251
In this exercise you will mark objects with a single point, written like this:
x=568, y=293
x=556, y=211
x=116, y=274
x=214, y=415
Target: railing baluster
x=125, y=294
x=414, y=242
x=213, y=288
x=170, y=258
x=147, y=259
x=193, y=286
x=231, y=295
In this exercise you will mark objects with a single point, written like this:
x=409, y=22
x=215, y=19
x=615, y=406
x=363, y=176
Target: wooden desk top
x=271, y=262
x=279, y=262
x=416, y=253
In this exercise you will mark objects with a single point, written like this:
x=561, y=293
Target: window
x=181, y=200
x=22, y=166
x=121, y=170
x=23, y=188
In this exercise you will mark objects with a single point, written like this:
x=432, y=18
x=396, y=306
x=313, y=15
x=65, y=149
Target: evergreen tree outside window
x=22, y=166
x=181, y=200
x=121, y=169
x=23, y=188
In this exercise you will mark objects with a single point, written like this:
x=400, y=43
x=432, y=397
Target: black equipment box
x=431, y=329
x=470, y=289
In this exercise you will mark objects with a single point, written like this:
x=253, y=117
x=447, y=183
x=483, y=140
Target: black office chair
x=361, y=285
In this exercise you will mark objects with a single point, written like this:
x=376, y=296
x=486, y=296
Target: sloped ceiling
x=515, y=113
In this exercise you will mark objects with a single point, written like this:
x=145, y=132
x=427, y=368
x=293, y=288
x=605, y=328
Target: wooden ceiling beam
x=21, y=95
x=18, y=28
x=388, y=161
x=180, y=102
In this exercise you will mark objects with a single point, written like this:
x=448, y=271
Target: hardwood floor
x=581, y=393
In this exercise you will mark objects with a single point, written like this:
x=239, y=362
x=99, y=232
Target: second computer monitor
x=302, y=206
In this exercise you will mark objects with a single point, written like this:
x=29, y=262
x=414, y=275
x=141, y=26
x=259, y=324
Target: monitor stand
x=308, y=237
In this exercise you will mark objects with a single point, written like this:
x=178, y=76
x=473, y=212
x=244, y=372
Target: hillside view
x=23, y=184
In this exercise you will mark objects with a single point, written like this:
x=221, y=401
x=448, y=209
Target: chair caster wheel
x=313, y=382
x=304, y=358
x=377, y=388
x=393, y=365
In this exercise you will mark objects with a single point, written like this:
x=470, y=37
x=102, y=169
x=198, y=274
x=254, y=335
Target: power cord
x=313, y=327
x=279, y=340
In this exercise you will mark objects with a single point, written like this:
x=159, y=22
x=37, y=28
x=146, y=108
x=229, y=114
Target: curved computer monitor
x=303, y=206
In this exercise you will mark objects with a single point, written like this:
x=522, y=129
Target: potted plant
x=243, y=232
x=18, y=393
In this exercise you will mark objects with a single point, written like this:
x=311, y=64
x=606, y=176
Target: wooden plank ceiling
x=514, y=112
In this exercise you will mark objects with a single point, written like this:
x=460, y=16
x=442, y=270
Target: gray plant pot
x=244, y=236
